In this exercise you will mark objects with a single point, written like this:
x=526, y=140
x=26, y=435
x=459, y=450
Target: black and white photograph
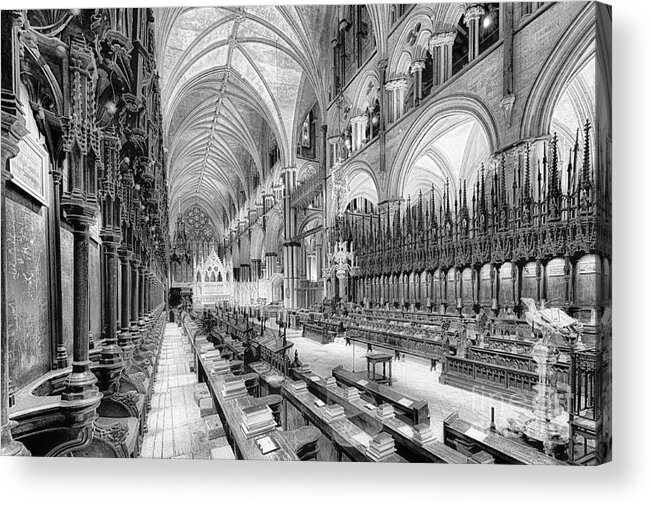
x=295, y=234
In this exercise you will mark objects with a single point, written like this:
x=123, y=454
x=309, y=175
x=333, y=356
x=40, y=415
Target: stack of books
x=234, y=387
x=257, y=420
x=206, y=347
x=423, y=433
x=385, y=411
x=212, y=354
x=331, y=382
x=220, y=367
x=334, y=413
x=352, y=393
x=381, y=447
x=299, y=387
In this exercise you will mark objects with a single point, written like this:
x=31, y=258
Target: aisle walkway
x=176, y=429
x=412, y=377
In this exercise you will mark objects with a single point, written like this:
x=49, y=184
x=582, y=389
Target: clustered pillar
x=291, y=247
x=441, y=50
x=472, y=17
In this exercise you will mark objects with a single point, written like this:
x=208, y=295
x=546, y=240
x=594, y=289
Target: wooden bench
x=460, y=434
x=345, y=440
x=413, y=411
x=359, y=412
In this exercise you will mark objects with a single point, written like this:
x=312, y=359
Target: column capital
x=417, y=66
x=474, y=12
x=442, y=39
x=362, y=118
x=395, y=84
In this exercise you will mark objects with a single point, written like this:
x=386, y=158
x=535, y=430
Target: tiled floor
x=176, y=429
x=412, y=377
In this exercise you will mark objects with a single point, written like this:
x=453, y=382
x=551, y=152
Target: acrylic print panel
x=368, y=233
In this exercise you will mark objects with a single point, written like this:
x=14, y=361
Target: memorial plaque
x=30, y=169
x=27, y=290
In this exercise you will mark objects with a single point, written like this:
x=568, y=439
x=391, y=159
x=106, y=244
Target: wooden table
x=375, y=358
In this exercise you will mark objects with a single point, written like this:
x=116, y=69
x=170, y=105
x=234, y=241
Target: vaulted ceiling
x=234, y=80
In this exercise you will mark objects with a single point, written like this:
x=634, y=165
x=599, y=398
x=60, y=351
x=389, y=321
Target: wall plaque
x=30, y=169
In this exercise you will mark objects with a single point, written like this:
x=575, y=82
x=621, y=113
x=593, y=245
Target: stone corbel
x=506, y=104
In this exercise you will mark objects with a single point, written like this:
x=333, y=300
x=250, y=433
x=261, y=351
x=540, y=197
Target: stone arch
x=403, y=65
x=310, y=223
x=366, y=92
x=569, y=55
x=362, y=182
x=306, y=170
x=421, y=15
x=426, y=124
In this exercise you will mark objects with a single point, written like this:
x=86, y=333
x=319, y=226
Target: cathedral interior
x=373, y=232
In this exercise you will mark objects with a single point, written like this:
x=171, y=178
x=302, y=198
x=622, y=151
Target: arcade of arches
x=427, y=182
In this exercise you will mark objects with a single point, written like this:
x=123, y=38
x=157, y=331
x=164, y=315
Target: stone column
x=472, y=17
x=125, y=340
x=291, y=247
x=441, y=50
x=417, y=73
x=13, y=129
x=396, y=90
x=111, y=352
x=61, y=353
x=359, y=131
x=141, y=292
x=80, y=384
x=80, y=206
x=133, y=272
x=382, y=72
x=270, y=264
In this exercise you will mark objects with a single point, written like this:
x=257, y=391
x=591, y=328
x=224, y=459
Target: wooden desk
x=375, y=358
x=230, y=412
x=270, y=378
x=358, y=412
x=413, y=411
x=504, y=450
x=347, y=438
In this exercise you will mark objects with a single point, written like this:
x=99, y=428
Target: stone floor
x=175, y=428
x=411, y=376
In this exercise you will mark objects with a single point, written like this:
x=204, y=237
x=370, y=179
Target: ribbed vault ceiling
x=233, y=79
